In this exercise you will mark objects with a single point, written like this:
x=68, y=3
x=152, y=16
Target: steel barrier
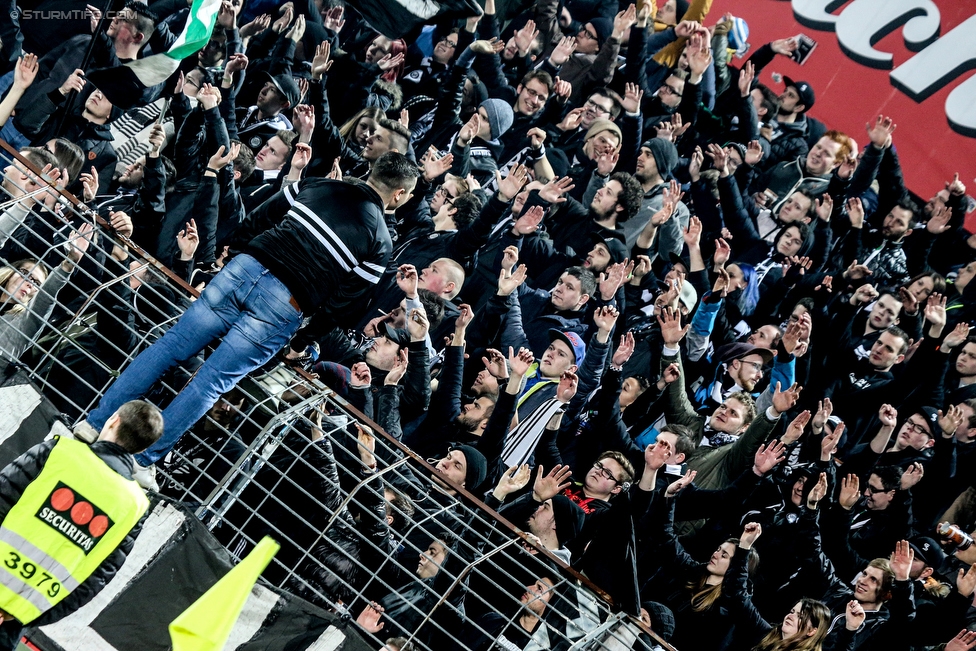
x=361, y=518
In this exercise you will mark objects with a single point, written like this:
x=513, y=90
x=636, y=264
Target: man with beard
x=448, y=420
x=612, y=205
x=889, y=253
x=789, y=138
x=655, y=162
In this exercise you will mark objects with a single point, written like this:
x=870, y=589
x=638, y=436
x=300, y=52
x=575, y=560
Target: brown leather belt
x=294, y=304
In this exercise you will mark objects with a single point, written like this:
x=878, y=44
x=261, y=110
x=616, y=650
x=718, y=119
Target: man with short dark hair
x=325, y=256
x=42, y=493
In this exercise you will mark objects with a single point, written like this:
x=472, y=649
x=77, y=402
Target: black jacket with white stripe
x=327, y=241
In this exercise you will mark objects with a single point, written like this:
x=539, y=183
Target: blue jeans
x=244, y=306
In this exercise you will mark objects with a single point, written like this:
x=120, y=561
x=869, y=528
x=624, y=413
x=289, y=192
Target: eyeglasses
x=871, y=490
x=916, y=427
x=605, y=472
x=756, y=365
x=588, y=34
x=667, y=89
x=534, y=93
x=590, y=104
x=447, y=196
x=447, y=40
x=26, y=275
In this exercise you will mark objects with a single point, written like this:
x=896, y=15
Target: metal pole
x=69, y=101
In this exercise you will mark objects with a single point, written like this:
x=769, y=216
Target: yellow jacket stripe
x=74, y=514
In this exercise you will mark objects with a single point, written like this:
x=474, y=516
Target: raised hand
x=818, y=491
x=939, y=221
x=746, y=75
x=256, y=26
x=855, y=212
x=699, y=57
x=525, y=38
x=880, y=132
x=568, y=384
x=824, y=409
x=626, y=348
x=520, y=362
x=360, y=375
x=901, y=560
x=796, y=428
x=951, y=421
x=26, y=71
x=417, y=324
x=784, y=46
x=912, y=476
x=623, y=21
x=528, y=222
x=563, y=50
x=750, y=534
x=692, y=234
x=495, y=363
x=722, y=282
x=767, y=456
x=436, y=166
x=676, y=487
x=783, y=401
x=301, y=157
x=464, y=318
x=219, y=160
x=334, y=19
x=287, y=12
x=966, y=582
x=389, y=62
x=888, y=416
x=470, y=129
x=512, y=184
x=754, y=153
x=695, y=163
x=958, y=335
x=537, y=137
x=605, y=163
x=850, y=492
x=89, y=184
x=828, y=444
x=956, y=187
x=407, y=280
x=671, y=331
x=512, y=480
x=509, y=282
x=720, y=159
x=555, y=191
x=509, y=258
x=79, y=241
x=322, y=61
x=399, y=369
x=605, y=318
x=369, y=618
x=188, y=240
x=854, y=616
x=632, y=98
x=935, y=310
x=549, y=485
x=825, y=206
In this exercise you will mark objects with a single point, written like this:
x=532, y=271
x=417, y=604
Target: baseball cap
x=572, y=340
x=804, y=90
x=740, y=349
x=928, y=551
x=400, y=336
x=617, y=249
x=932, y=416
x=688, y=296
x=286, y=86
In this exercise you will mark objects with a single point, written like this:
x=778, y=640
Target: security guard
x=69, y=514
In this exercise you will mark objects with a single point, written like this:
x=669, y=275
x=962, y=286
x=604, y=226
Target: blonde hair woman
x=28, y=294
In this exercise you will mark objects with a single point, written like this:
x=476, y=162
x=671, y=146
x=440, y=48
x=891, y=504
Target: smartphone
x=805, y=47
x=165, y=109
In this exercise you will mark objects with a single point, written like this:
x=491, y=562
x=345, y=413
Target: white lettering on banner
x=67, y=528
x=865, y=22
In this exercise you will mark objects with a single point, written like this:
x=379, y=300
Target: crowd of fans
x=706, y=350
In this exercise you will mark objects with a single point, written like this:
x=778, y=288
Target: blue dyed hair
x=749, y=295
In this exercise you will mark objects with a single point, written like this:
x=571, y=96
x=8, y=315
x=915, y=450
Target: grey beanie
x=500, y=116
x=665, y=155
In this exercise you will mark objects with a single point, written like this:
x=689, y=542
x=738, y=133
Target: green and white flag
x=124, y=85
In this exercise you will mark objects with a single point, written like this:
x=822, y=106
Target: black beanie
x=680, y=9
x=569, y=519
x=477, y=466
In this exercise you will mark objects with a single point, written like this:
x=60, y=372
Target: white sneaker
x=145, y=477
x=85, y=432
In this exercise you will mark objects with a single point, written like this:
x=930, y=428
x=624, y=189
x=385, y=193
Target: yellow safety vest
x=69, y=520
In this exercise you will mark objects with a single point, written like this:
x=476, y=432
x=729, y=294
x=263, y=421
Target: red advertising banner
x=912, y=60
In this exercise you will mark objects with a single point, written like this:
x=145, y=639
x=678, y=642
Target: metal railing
x=361, y=518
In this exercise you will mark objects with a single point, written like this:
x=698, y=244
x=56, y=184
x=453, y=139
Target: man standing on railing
x=323, y=258
x=68, y=518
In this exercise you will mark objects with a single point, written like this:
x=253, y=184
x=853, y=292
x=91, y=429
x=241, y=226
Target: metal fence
x=362, y=519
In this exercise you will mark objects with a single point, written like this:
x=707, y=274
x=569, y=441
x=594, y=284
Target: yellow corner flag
x=206, y=624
